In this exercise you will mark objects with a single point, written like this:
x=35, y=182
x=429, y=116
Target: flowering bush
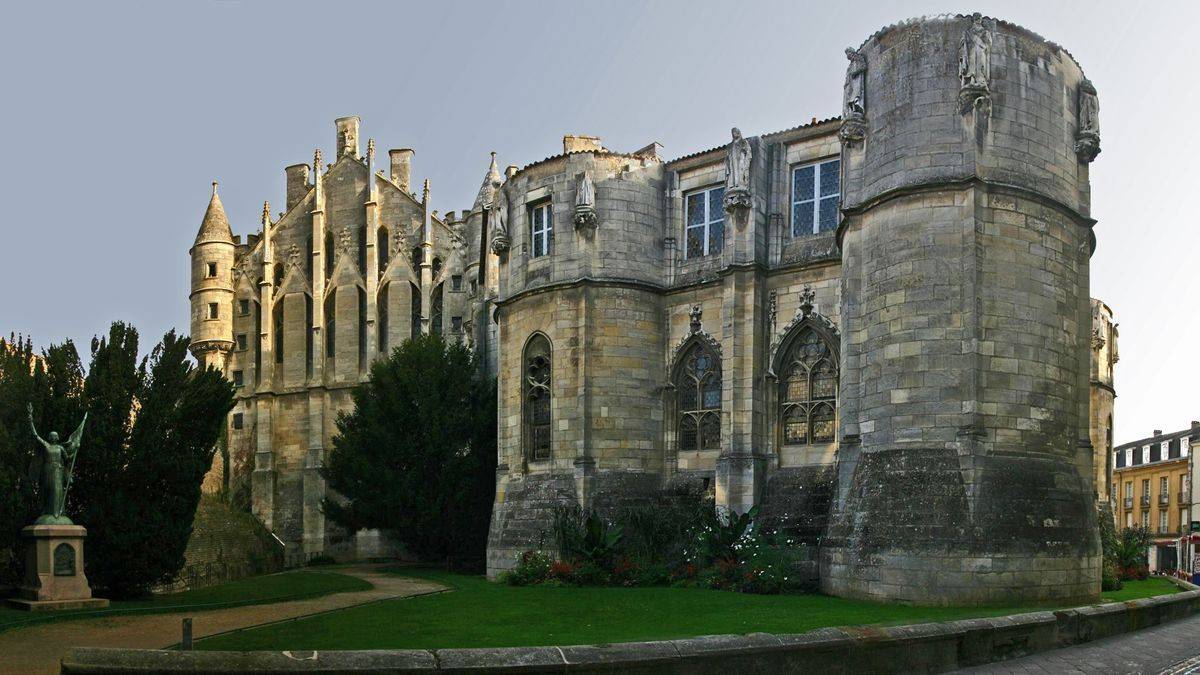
x=532, y=567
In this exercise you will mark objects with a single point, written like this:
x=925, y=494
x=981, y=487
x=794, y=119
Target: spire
x=266, y=215
x=487, y=191
x=215, y=226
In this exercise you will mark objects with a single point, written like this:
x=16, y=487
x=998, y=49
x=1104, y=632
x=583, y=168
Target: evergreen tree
x=152, y=427
x=417, y=456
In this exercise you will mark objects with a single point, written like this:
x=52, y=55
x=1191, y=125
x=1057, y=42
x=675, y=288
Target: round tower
x=212, y=287
x=965, y=466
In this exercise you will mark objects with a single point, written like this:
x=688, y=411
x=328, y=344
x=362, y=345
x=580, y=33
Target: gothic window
x=308, y=257
x=815, y=192
x=808, y=391
x=698, y=391
x=381, y=248
x=417, y=257
x=705, y=222
x=383, y=318
x=331, y=325
x=541, y=229
x=362, y=328
x=362, y=250
x=435, y=310
x=328, y=253
x=536, y=398
x=415, y=295
x=279, y=332
x=435, y=268
x=308, y=335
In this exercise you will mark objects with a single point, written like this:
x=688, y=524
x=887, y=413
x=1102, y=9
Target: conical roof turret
x=487, y=191
x=215, y=226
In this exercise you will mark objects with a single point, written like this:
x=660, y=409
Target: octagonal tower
x=965, y=464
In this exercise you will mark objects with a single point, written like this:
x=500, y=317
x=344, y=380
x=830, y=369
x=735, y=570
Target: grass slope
x=253, y=591
x=483, y=614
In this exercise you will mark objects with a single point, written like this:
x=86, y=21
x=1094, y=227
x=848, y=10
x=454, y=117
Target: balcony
x=1164, y=498
x=1145, y=501
x=1129, y=502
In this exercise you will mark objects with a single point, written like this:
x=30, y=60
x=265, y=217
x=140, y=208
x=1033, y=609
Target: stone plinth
x=54, y=577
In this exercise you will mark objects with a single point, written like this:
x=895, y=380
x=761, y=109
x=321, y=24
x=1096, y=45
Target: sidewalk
x=39, y=648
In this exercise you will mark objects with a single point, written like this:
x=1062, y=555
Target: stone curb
x=928, y=647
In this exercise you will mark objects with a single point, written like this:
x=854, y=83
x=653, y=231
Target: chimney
x=297, y=184
x=347, y=136
x=401, y=166
x=581, y=144
x=1158, y=432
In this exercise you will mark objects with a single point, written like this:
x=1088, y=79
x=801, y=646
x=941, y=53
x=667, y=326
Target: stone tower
x=1103, y=400
x=965, y=469
x=212, y=287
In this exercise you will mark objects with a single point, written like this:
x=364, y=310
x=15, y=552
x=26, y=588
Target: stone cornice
x=962, y=184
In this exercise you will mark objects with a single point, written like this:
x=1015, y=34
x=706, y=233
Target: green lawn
x=253, y=591
x=478, y=613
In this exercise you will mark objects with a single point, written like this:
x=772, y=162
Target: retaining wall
x=931, y=647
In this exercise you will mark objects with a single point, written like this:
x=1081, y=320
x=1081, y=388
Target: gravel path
x=38, y=649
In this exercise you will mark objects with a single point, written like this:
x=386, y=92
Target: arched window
x=808, y=391
x=535, y=385
x=362, y=250
x=362, y=328
x=436, y=268
x=328, y=253
x=415, y=296
x=381, y=249
x=383, y=308
x=308, y=335
x=331, y=325
x=698, y=391
x=435, y=310
x=278, y=321
x=417, y=257
x=308, y=258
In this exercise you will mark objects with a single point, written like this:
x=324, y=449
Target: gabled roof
x=215, y=226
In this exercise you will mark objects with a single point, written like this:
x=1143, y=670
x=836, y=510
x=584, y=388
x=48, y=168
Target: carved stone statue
x=737, y=163
x=1087, y=138
x=349, y=142
x=856, y=73
x=498, y=219
x=974, y=65
x=52, y=469
x=585, y=202
x=737, y=172
x=854, y=110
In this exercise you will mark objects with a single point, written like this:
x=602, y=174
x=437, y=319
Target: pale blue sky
x=117, y=116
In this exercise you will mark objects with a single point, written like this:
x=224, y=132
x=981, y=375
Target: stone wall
x=225, y=544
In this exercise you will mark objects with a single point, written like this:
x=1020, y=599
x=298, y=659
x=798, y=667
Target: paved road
x=39, y=648
x=1172, y=648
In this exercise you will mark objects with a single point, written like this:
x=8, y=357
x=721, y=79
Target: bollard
x=186, y=643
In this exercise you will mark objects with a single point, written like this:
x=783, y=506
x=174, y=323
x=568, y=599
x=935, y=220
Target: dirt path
x=38, y=649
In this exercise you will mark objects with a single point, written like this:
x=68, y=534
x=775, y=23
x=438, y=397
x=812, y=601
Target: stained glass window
x=808, y=391
x=816, y=190
x=435, y=310
x=698, y=389
x=536, y=386
x=541, y=229
x=705, y=222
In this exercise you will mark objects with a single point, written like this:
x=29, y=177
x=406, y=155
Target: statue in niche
x=974, y=65
x=498, y=220
x=854, y=126
x=737, y=172
x=585, y=202
x=1087, y=138
x=348, y=142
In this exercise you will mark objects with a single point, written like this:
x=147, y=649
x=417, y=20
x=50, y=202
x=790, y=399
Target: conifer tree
x=417, y=457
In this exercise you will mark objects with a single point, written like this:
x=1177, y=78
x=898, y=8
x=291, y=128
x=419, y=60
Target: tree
x=181, y=412
x=1131, y=552
x=152, y=426
x=417, y=456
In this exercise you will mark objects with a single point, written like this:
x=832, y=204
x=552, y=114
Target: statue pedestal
x=54, y=577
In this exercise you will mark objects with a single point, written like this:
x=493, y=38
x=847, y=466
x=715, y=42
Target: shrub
x=1129, y=552
x=322, y=559
x=532, y=567
x=585, y=536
